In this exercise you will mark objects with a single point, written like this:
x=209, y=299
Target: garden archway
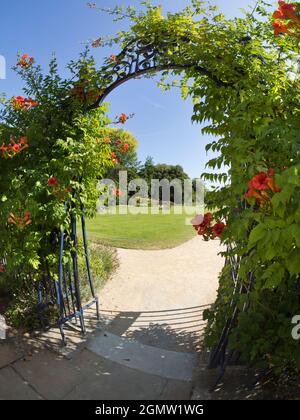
x=141, y=59
x=243, y=90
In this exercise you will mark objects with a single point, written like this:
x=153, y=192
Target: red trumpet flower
x=261, y=186
x=25, y=62
x=13, y=148
x=218, y=229
x=20, y=221
x=123, y=118
x=53, y=182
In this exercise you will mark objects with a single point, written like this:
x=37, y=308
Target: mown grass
x=140, y=231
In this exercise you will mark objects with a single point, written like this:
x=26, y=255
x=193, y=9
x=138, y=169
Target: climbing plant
x=53, y=149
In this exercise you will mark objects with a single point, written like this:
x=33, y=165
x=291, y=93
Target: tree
x=150, y=171
x=147, y=169
x=124, y=146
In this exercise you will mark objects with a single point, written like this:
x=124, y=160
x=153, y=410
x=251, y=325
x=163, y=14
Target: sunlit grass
x=141, y=231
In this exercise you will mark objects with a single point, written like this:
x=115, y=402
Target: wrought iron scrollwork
x=141, y=58
x=138, y=57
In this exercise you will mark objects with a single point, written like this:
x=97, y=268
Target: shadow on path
x=175, y=329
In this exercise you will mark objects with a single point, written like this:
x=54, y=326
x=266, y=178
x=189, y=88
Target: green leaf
x=256, y=234
x=295, y=231
x=293, y=262
x=273, y=276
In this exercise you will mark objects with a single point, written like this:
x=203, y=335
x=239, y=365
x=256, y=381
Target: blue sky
x=162, y=121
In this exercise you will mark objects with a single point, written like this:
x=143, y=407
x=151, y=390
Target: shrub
x=23, y=310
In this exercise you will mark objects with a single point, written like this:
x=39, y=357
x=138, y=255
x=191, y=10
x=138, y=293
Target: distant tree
x=147, y=170
x=150, y=171
x=124, y=146
x=169, y=172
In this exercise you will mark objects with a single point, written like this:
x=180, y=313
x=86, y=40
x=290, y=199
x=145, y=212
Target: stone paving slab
x=13, y=387
x=53, y=375
x=115, y=382
x=88, y=376
x=148, y=359
x=9, y=353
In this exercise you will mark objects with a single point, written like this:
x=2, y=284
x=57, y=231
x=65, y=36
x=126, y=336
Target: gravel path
x=182, y=277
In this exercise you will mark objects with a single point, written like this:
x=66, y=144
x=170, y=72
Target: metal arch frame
x=139, y=59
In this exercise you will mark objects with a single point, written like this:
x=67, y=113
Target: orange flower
x=123, y=118
x=287, y=10
x=118, y=193
x=20, y=103
x=279, y=28
x=252, y=193
x=277, y=14
x=20, y=221
x=202, y=224
x=197, y=220
x=9, y=151
x=97, y=43
x=16, y=147
x=125, y=148
x=23, y=141
x=113, y=58
x=114, y=158
x=30, y=103
x=25, y=62
x=260, y=184
x=287, y=19
x=261, y=196
x=3, y=150
x=273, y=186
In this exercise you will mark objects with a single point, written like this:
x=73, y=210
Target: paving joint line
x=32, y=387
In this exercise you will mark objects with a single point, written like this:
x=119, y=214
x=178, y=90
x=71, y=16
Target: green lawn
x=141, y=231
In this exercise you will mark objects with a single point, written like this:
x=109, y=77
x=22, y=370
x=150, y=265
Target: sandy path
x=182, y=277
